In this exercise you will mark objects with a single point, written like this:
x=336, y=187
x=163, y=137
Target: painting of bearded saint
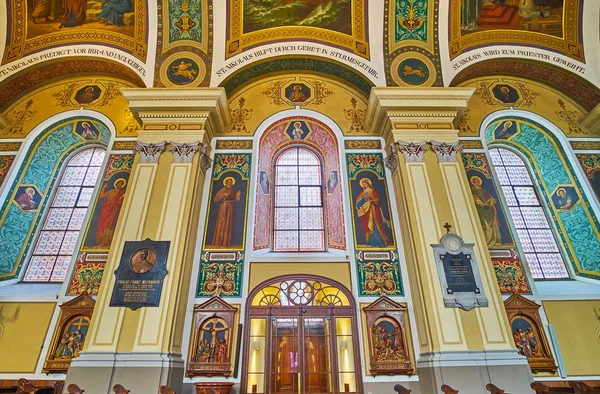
x=224, y=226
x=375, y=226
x=105, y=216
x=486, y=208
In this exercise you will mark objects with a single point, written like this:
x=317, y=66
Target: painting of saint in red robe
x=371, y=212
x=225, y=226
x=106, y=213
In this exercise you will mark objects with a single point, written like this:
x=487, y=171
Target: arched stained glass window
x=57, y=240
x=298, y=221
x=531, y=223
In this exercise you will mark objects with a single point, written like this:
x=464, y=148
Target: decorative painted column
x=141, y=349
x=463, y=349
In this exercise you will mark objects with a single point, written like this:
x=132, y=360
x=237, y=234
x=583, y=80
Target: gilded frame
x=238, y=41
x=570, y=44
x=18, y=45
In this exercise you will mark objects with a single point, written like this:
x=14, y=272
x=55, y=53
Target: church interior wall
x=324, y=78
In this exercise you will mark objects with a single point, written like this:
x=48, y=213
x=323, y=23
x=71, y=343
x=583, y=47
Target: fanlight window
x=57, y=239
x=298, y=207
x=300, y=293
x=531, y=222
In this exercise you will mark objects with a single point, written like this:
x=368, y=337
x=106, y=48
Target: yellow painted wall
x=260, y=272
x=23, y=328
x=578, y=330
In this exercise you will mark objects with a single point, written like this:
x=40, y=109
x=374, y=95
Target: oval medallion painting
x=413, y=71
x=183, y=71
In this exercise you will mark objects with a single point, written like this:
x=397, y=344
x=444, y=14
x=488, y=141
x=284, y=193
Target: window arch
x=57, y=239
x=529, y=217
x=298, y=209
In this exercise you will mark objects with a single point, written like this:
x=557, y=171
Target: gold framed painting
x=340, y=23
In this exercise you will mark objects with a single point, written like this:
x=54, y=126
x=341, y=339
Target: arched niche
x=39, y=169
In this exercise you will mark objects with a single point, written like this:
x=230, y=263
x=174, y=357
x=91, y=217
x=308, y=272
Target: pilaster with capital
x=431, y=190
x=162, y=203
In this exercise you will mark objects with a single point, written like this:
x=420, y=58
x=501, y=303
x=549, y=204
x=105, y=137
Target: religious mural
x=576, y=224
x=22, y=210
x=101, y=226
x=375, y=243
x=118, y=22
x=253, y=22
x=591, y=166
x=225, y=231
x=475, y=22
x=5, y=163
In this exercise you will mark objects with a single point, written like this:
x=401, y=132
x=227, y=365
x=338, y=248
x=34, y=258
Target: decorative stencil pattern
x=185, y=20
x=578, y=227
x=411, y=20
x=510, y=275
x=374, y=239
x=5, y=163
x=87, y=276
x=40, y=168
x=222, y=260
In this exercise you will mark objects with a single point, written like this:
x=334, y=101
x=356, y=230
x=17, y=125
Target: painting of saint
x=143, y=261
x=104, y=217
x=506, y=93
x=52, y=16
x=87, y=94
x=87, y=131
x=526, y=338
x=491, y=215
x=565, y=198
x=225, y=226
x=372, y=217
x=505, y=130
x=72, y=339
x=325, y=14
x=27, y=198
x=541, y=16
x=297, y=130
x=332, y=182
x=264, y=182
x=297, y=93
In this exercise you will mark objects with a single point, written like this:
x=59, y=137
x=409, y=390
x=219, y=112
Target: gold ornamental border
x=568, y=44
x=19, y=45
x=355, y=43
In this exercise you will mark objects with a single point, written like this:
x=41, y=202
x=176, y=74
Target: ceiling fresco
x=411, y=43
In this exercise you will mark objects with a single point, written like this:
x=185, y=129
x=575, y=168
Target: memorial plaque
x=140, y=275
x=459, y=275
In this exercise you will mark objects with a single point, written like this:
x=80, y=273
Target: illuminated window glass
x=531, y=223
x=57, y=240
x=298, y=217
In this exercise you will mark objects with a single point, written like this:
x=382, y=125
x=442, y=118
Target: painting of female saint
x=104, y=218
x=565, y=198
x=72, y=339
x=325, y=14
x=526, y=338
x=491, y=215
x=541, y=16
x=227, y=211
x=372, y=219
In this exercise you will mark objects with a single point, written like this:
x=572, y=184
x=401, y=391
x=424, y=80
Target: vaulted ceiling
x=188, y=43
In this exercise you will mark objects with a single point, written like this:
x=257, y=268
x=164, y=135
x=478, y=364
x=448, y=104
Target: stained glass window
x=56, y=242
x=533, y=229
x=298, y=210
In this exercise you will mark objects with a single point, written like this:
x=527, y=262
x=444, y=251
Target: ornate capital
x=183, y=153
x=413, y=151
x=149, y=153
x=391, y=161
x=205, y=160
x=446, y=152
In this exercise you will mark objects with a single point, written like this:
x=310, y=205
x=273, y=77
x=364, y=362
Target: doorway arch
x=301, y=337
